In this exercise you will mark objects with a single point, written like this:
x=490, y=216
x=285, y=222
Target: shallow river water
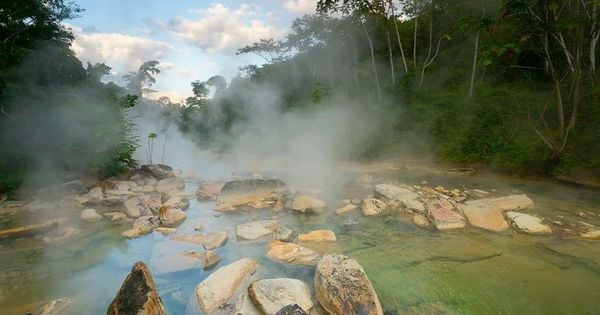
x=414, y=271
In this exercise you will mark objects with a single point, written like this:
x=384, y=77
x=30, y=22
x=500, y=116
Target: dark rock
x=137, y=295
x=158, y=171
x=292, y=309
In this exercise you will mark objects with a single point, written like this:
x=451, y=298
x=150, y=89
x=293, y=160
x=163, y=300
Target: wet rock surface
x=209, y=241
x=250, y=192
x=318, y=236
x=528, y=223
x=210, y=190
x=291, y=253
x=372, y=207
x=306, y=203
x=218, y=288
x=442, y=214
x=158, y=171
x=399, y=197
x=138, y=294
x=54, y=307
x=342, y=287
x=271, y=295
x=255, y=230
x=141, y=226
x=90, y=216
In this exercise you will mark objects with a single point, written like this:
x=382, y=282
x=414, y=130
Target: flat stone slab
x=528, y=224
x=441, y=213
x=255, y=230
x=318, y=236
x=291, y=253
x=271, y=295
x=209, y=241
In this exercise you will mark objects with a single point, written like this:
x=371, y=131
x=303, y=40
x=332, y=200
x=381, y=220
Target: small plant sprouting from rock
x=150, y=148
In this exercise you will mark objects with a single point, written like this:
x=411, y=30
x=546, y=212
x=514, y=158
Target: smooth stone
x=177, y=202
x=135, y=207
x=138, y=294
x=305, y=203
x=255, y=230
x=421, y=221
x=528, y=224
x=90, y=216
x=342, y=287
x=372, y=206
x=141, y=226
x=208, y=259
x=209, y=241
x=346, y=208
x=291, y=253
x=210, y=190
x=271, y=295
x=283, y=233
x=167, y=185
x=441, y=213
x=94, y=196
x=399, y=197
x=485, y=218
x=216, y=290
x=253, y=192
x=170, y=217
x=165, y=230
x=318, y=236
x=592, y=235
x=115, y=216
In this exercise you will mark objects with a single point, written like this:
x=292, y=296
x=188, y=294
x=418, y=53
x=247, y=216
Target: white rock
x=90, y=215
x=528, y=224
x=271, y=295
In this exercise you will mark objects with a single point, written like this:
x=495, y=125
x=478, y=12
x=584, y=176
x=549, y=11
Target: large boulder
x=94, y=196
x=441, y=213
x=372, y=206
x=170, y=216
x=291, y=253
x=141, y=226
x=399, y=197
x=210, y=190
x=318, y=236
x=271, y=295
x=138, y=294
x=169, y=185
x=90, y=215
x=528, y=224
x=250, y=192
x=214, y=292
x=306, y=203
x=255, y=230
x=342, y=287
x=488, y=213
x=158, y=171
x=209, y=241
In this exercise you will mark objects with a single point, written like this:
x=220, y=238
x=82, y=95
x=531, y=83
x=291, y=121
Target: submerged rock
x=441, y=213
x=210, y=190
x=372, y=206
x=64, y=234
x=209, y=241
x=255, y=230
x=421, y=221
x=208, y=259
x=90, y=216
x=54, y=307
x=592, y=235
x=305, y=203
x=29, y=230
x=318, y=236
x=115, y=216
x=346, y=208
x=263, y=192
x=528, y=224
x=138, y=294
x=271, y=295
x=291, y=253
x=94, y=196
x=399, y=197
x=141, y=226
x=283, y=233
x=165, y=230
x=342, y=287
x=170, y=217
x=214, y=292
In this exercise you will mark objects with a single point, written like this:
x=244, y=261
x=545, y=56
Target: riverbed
x=413, y=270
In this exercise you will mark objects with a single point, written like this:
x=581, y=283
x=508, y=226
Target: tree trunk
x=398, y=37
x=474, y=65
x=415, y=44
x=391, y=56
x=374, y=64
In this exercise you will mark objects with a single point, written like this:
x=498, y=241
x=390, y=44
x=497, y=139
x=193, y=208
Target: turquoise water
x=414, y=271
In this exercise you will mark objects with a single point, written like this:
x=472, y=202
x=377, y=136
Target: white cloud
x=300, y=6
x=222, y=30
x=124, y=52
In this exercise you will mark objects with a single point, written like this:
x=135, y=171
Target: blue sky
x=192, y=39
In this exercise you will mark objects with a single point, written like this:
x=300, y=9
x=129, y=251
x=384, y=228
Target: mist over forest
x=354, y=95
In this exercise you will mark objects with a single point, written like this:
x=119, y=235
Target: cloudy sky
x=192, y=39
